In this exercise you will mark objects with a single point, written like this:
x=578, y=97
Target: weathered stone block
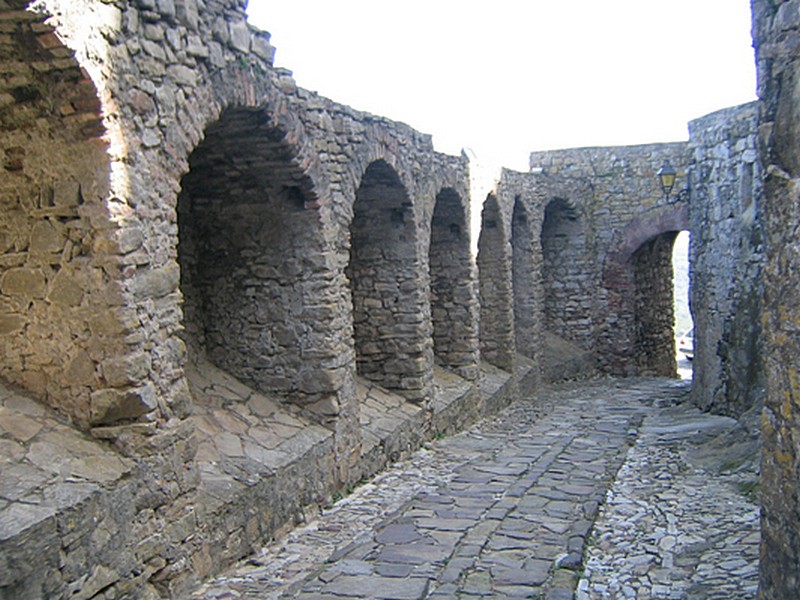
x=166, y=8
x=23, y=281
x=113, y=322
x=156, y=283
x=46, y=238
x=10, y=323
x=67, y=193
x=80, y=369
x=127, y=370
x=186, y=12
x=239, y=35
x=182, y=75
x=65, y=289
x=261, y=47
x=111, y=405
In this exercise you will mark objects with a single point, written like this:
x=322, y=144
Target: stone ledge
x=456, y=402
x=58, y=493
x=81, y=526
x=497, y=388
x=390, y=427
x=563, y=360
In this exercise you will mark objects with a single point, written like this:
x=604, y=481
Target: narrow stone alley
x=602, y=489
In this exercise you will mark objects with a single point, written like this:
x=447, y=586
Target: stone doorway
x=639, y=330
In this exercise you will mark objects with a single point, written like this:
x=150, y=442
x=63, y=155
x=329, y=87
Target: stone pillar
x=494, y=268
x=453, y=298
x=523, y=268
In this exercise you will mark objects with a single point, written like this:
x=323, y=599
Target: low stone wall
x=79, y=519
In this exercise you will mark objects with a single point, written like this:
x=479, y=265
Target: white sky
x=506, y=77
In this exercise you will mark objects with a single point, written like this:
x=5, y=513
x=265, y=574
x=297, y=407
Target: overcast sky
x=506, y=77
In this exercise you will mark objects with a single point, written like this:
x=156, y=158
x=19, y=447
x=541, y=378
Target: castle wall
x=775, y=27
x=177, y=227
x=244, y=287
x=594, y=208
x=726, y=254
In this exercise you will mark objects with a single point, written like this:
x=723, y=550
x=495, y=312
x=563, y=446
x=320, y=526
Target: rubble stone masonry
x=224, y=298
x=776, y=26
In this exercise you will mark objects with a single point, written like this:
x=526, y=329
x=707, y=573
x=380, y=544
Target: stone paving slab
x=503, y=510
x=672, y=526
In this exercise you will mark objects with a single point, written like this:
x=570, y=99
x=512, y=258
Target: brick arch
x=494, y=273
x=453, y=299
x=391, y=314
x=637, y=332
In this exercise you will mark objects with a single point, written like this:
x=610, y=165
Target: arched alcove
x=390, y=316
x=249, y=252
x=61, y=334
x=494, y=268
x=567, y=300
x=453, y=298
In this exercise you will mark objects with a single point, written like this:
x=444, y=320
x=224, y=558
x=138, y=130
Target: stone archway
x=390, y=322
x=494, y=268
x=637, y=335
x=452, y=295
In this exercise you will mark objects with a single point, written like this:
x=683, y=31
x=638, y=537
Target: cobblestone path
x=508, y=510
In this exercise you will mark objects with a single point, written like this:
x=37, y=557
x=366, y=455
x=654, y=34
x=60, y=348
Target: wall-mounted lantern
x=666, y=175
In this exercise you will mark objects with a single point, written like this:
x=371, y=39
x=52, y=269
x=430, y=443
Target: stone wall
x=775, y=28
x=567, y=301
x=590, y=210
x=60, y=306
x=725, y=257
x=245, y=287
x=186, y=231
x=211, y=145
